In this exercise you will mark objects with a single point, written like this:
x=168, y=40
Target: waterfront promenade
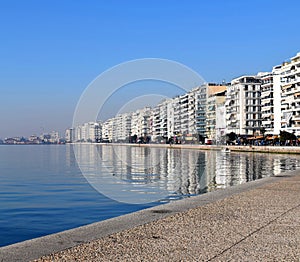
x=256, y=221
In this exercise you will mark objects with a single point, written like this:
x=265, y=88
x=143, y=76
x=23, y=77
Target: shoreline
x=235, y=148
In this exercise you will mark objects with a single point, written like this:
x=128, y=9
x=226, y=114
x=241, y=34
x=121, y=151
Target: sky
x=51, y=50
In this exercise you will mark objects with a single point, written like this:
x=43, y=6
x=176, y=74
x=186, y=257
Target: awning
x=286, y=86
x=271, y=137
x=255, y=137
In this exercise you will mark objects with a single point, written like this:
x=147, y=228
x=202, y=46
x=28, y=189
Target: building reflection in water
x=173, y=173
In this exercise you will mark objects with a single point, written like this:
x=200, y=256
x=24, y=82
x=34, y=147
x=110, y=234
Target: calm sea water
x=43, y=191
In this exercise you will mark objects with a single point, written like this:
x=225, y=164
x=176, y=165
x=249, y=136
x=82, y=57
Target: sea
x=46, y=189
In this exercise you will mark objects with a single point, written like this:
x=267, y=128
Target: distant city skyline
x=51, y=51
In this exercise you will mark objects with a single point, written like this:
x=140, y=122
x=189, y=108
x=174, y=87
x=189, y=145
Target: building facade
x=215, y=99
x=243, y=106
x=271, y=101
x=290, y=95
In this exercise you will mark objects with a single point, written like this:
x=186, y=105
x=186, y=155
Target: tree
x=284, y=135
x=232, y=136
x=262, y=130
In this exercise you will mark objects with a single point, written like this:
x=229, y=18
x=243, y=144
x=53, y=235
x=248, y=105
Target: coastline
x=235, y=148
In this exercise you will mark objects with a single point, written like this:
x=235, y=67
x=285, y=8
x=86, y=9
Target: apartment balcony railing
x=296, y=117
x=252, y=98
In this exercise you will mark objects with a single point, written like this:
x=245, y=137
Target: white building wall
x=107, y=130
x=243, y=105
x=220, y=123
x=277, y=99
x=290, y=95
x=170, y=116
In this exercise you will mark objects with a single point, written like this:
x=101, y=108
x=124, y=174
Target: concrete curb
x=35, y=248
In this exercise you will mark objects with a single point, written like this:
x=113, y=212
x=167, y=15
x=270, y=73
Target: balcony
x=266, y=122
x=296, y=117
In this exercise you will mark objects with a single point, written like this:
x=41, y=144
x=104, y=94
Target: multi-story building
x=171, y=117
x=271, y=101
x=184, y=114
x=177, y=116
x=116, y=127
x=70, y=135
x=91, y=132
x=290, y=95
x=201, y=111
x=216, y=97
x=159, y=121
x=140, y=123
x=192, y=111
x=107, y=130
x=220, y=123
x=77, y=131
x=126, y=127
x=88, y=132
x=120, y=130
x=243, y=106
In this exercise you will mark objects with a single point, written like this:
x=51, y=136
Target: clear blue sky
x=51, y=50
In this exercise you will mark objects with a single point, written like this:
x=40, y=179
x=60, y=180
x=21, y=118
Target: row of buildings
x=178, y=119
x=45, y=138
x=250, y=105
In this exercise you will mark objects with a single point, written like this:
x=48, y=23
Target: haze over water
x=43, y=190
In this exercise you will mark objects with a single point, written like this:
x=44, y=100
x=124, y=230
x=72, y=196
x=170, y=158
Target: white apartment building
x=171, y=117
x=107, y=130
x=184, y=114
x=220, y=123
x=201, y=110
x=121, y=127
x=290, y=95
x=140, y=122
x=177, y=115
x=88, y=132
x=243, y=106
x=159, y=122
x=271, y=101
x=216, y=99
x=92, y=132
x=77, y=131
x=192, y=111
x=70, y=135
x=126, y=127
x=116, y=127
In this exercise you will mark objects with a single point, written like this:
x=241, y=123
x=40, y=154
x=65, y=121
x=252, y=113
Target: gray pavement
x=257, y=221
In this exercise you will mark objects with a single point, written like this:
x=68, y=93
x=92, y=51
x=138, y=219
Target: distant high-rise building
x=70, y=135
x=107, y=131
x=243, y=106
x=140, y=123
x=271, y=101
x=159, y=121
x=201, y=111
x=216, y=96
x=290, y=95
